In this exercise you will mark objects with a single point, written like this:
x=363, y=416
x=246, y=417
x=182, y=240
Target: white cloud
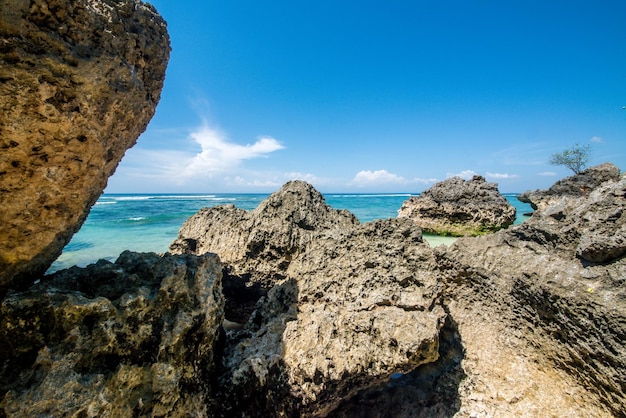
x=597, y=139
x=254, y=183
x=547, y=174
x=269, y=180
x=465, y=174
x=367, y=177
x=218, y=154
x=308, y=177
x=383, y=177
x=424, y=181
x=502, y=176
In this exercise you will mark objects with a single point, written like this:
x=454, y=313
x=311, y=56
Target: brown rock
x=260, y=244
x=79, y=82
x=458, y=208
x=541, y=309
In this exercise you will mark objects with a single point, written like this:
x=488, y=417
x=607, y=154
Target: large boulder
x=574, y=186
x=137, y=337
x=345, y=306
x=80, y=80
x=458, y=208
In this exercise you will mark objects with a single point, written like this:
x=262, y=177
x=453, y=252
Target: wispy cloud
x=219, y=154
x=383, y=177
x=547, y=174
x=270, y=180
x=367, y=177
x=501, y=176
x=597, y=139
x=465, y=174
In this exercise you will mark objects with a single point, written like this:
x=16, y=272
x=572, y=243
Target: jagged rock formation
x=329, y=317
x=458, y=208
x=261, y=243
x=134, y=338
x=575, y=186
x=347, y=305
x=79, y=82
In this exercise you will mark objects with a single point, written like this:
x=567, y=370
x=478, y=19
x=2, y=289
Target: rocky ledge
x=574, y=187
x=137, y=337
x=459, y=208
x=79, y=82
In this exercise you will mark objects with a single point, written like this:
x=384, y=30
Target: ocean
x=150, y=222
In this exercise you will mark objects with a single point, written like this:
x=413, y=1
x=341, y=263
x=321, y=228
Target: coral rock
x=457, y=207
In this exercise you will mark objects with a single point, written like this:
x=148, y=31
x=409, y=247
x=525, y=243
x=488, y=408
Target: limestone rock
x=133, y=338
x=79, y=82
x=260, y=244
x=578, y=185
x=557, y=286
x=351, y=304
x=457, y=207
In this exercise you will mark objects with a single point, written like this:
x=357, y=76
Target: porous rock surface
x=137, y=337
x=79, y=82
x=260, y=244
x=459, y=207
x=347, y=306
x=578, y=185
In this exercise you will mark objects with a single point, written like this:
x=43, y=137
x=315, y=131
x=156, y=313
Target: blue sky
x=373, y=96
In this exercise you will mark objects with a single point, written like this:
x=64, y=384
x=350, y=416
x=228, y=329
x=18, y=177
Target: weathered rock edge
x=79, y=82
x=459, y=208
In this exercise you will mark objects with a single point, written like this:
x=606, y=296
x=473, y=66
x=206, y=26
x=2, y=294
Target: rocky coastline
x=293, y=309
x=310, y=313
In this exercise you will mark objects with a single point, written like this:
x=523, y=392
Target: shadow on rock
x=431, y=390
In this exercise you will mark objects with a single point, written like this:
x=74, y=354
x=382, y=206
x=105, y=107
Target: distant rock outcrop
x=578, y=185
x=79, y=82
x=458, y=208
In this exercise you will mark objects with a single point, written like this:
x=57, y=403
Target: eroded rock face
x=79, y=82
x=457, y=207
x=557, y=285
x=133, y=338
x=352, y=304
x=578, y=185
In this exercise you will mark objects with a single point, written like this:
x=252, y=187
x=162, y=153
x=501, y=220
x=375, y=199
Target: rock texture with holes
x=79, y=82
x=137, y=337
x=557, y=286
x=457, y=207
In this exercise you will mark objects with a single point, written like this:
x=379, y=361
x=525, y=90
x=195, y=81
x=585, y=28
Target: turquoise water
x=150, y=222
